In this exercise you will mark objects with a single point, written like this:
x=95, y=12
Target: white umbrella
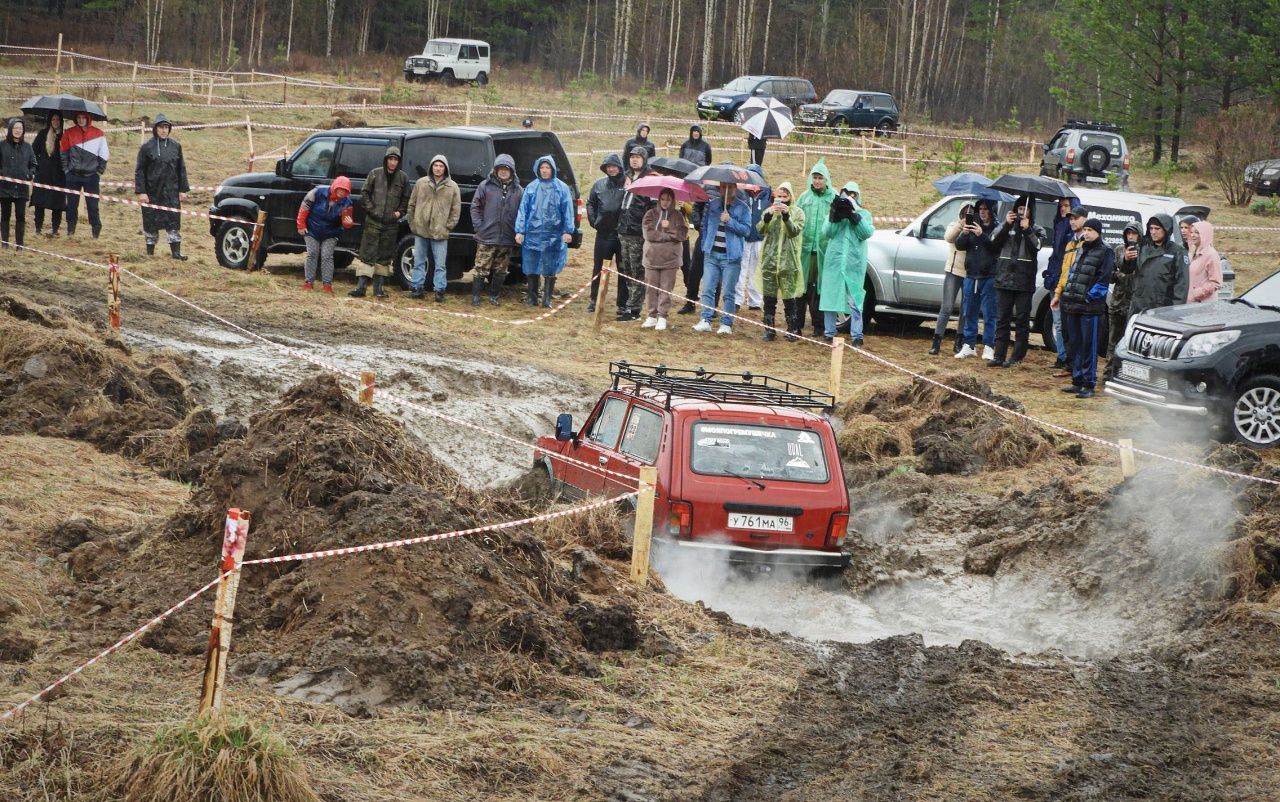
x=765, y=118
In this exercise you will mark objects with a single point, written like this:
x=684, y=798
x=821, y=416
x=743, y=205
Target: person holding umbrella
x=763, y=118
x=84, y=154
x=665, y=231
x=726, y=222
x=161, y=178
x=17, y=161
x=1018, y=242
x=49, y=171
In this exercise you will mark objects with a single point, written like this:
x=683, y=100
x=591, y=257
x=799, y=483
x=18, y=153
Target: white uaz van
x=450, y=60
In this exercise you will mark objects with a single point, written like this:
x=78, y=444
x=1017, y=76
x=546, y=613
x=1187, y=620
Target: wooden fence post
x=191, y=77
x=837, y=368
x=285, y=90
x=904, y=156
x=1128, y=464
x=113, y=291
x=256, y=244
x=235, y=533
x=208, y=100
x=642, y=535
x=248, y=127
x=602, y=293
x=367, y=382
x=133, y=89
x=467, y=121
x=57, y=69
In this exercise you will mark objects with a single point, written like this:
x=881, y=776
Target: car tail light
x=581, y=212
x=680, y=519
x=1126, y=161
x=838, y=530
x=1071, y=155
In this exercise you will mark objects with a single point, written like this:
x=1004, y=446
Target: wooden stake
x=235, y=534
x=57, y=69
x=248, y=127
x=1032, y=157
x=113, y=291
x=285, y=90
x=602, y=292
x=191, y=76
x=468, y=117
x=256, y=244
x=366, y=387
x=904, y=157
x=208, y=101
x=863, y=140
x=642, y=535
x=1128, y=464
x=133, y=89
x=837, y=368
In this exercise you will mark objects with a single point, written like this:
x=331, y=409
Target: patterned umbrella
x=716, y=174
x=765, y=118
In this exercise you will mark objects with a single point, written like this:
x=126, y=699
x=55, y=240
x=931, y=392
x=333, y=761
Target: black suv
x=852, y=109
x=1263, y=177
x=354, y=152
x=1218, y=360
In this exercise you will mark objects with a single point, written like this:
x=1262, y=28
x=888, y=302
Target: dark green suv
x=852, y=110
x=354, y=152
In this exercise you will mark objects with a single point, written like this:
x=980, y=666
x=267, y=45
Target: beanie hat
x=1094, y=223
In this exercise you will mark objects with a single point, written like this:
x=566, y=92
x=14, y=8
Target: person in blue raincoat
x=544, y=229
x=844, y=267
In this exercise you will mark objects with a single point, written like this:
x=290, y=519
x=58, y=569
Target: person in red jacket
x=322, y=217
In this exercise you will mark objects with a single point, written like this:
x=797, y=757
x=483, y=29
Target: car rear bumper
x=741, y=555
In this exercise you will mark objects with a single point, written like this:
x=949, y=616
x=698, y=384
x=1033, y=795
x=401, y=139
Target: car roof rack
x=713, y=385
x=1093, y=125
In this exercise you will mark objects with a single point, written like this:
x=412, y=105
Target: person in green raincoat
x=816, y=203
x=842, y=285
x=780, y=273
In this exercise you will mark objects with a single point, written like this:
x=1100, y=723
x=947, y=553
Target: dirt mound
x=63, y=377
x=934, y=431
x=433, y=625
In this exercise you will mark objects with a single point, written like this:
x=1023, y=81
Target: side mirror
x=282, y=168
x=564, y=427
x=758, y=91
x=1045, y=147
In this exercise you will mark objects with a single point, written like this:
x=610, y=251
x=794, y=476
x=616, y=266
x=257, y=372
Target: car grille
x=812, y=117
x=1152, y=344
x=1133, y=373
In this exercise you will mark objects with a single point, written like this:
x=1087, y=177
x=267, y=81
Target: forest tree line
x=1155, y=67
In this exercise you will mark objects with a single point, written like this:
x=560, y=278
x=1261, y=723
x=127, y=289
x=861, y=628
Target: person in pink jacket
x=1206, y=264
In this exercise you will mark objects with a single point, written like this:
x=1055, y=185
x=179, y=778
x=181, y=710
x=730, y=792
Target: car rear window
x=528, y=149
x=752, y=451
x=359, y=157
x=1112, y=143
x=468, y=158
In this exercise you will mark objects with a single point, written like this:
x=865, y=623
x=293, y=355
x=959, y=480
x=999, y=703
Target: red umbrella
x=651, y=186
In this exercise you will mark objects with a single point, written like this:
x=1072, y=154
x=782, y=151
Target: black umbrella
x=66, y=105
x=1037, y=186
x=669, y=165
x=727, y=173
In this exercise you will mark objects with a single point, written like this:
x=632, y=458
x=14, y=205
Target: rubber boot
x=791, y=308
x=936, y=347
x=770, y=314
x=175, y=250
x=378, y=292
x=496, y=280
x=548, y=290
x=151, y=249
x=358, y=292
x=477, y=287
x=531, y=290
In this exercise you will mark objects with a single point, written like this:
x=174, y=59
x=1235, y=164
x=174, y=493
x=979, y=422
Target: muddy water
x=233, y=375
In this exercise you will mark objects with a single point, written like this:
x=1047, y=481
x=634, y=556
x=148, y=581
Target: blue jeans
x=719, y=272
x=90, y=184
x=979, y=302
x=1082, y=333
x=855, y=320
x=439, y=254
x=1059, y=340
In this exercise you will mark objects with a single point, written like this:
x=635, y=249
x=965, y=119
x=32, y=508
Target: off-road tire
x=1254, y=417
x=482, y=79
x=402, y=263
x=231, y=244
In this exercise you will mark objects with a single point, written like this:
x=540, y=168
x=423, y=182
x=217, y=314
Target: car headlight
x=1205, y=344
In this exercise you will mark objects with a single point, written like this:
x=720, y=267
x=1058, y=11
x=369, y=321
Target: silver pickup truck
x=904, y=267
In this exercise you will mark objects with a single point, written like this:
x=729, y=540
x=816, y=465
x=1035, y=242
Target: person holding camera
x=1018, y=241
x=780, y=271
x=1161, y=268
x=952, y=283
x=979, y=295
x=843, y=284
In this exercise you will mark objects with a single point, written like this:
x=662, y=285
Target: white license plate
x=763, y=523
x=1133, y=370
x=1097, y=179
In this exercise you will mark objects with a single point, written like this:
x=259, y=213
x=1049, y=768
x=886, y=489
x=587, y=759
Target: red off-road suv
x=746, y=467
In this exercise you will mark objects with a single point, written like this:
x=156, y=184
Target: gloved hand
x=1097, y=292
x=855, y=218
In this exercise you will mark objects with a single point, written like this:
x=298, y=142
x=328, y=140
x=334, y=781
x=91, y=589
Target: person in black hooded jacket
x=695, y=148
x=1018, y=242
x=641, y=139
x=1084, y=302
x=604, y=209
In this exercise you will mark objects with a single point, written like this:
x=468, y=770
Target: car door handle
x=602, y=460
